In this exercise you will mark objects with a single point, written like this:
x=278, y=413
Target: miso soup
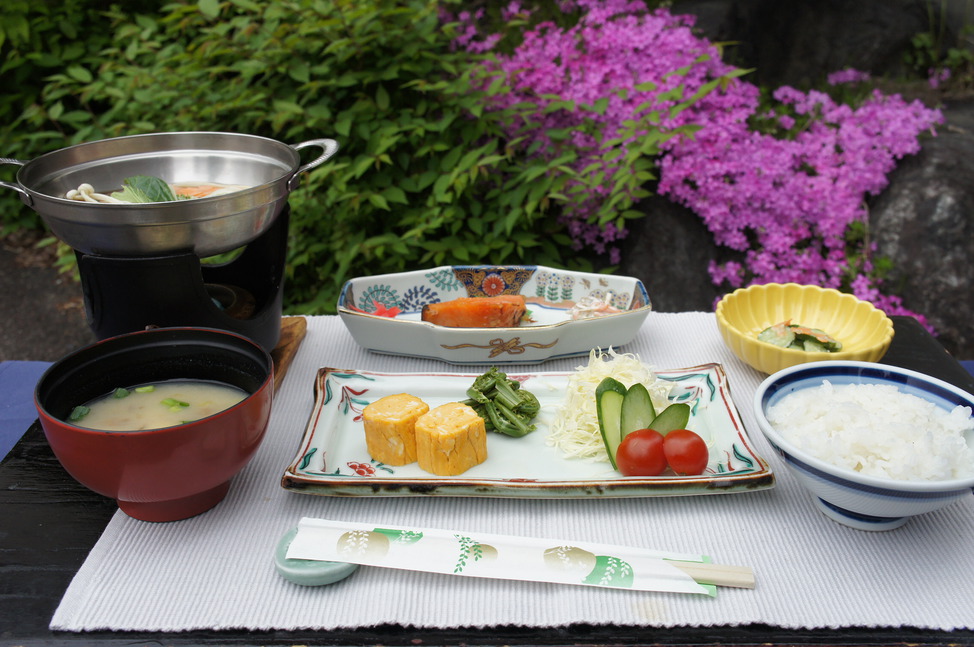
x=154, y=406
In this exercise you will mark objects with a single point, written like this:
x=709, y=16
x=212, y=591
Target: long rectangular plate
x=332, y=459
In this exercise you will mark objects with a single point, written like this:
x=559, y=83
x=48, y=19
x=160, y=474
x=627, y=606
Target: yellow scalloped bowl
x=865, y=331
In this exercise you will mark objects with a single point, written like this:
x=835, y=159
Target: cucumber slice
x=609, y=395
x=814, y=346
x=675, y=416
x=780, y=335
x=637, y=410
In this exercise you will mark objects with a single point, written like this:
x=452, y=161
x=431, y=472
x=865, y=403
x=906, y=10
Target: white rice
x=877, y=430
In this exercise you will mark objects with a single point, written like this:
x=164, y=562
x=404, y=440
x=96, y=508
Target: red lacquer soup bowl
x=162, y=474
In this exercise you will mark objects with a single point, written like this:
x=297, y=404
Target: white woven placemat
x=216, y=571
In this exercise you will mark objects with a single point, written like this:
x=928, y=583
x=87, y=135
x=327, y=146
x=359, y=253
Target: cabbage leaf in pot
x=145, y=188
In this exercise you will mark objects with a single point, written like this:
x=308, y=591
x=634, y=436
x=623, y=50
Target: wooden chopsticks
x=740, y=577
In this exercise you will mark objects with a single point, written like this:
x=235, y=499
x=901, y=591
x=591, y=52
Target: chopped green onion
x=145, y=389
x=79, y=412
x=174, y=403
x=120, y=393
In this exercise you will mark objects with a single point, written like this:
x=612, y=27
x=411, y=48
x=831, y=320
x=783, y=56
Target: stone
x=924, y=223
x=799, y=42
x=669, y=251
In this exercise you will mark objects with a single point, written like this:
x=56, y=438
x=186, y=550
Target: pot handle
x=16, y=187
x=328, y=147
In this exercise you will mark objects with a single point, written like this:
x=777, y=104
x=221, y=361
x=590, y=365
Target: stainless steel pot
x=206, y=226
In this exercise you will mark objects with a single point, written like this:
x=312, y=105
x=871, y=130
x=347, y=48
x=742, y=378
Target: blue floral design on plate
x=418, y=296
x=379, y=293
x=445, y=280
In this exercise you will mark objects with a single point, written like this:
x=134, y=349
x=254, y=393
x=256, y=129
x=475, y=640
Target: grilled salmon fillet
x=504, y=311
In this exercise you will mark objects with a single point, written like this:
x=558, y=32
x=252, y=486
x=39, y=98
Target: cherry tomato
x=641, y=453
x=686, y=452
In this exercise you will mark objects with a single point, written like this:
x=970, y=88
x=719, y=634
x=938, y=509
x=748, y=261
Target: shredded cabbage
x=575, y=428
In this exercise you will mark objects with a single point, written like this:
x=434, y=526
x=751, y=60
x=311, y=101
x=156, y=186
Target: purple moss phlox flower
x=936, y=77
x=616, y=46
x=469, y=37
x=786, y=203
x=789, y=203
x=847, y=75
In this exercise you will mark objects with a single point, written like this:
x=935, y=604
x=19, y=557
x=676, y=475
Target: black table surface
x=48, y=524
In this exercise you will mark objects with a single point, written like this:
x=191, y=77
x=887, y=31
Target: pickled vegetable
x=798, y=337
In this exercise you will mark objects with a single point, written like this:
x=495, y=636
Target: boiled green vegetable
x=505, y=407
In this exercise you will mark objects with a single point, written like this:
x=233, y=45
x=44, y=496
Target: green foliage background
x=424, y=175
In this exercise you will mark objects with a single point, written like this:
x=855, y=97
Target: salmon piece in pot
x=503, y=311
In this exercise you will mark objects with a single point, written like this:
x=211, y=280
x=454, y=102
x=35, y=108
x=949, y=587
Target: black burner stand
x=126, y=294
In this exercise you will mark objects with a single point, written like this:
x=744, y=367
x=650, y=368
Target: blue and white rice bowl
x=858, y=500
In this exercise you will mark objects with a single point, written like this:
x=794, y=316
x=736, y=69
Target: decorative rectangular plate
x=550, y=293
x=332, y=459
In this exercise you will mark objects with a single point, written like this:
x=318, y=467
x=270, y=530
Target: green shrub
x=424, y=176
x=39, y=38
